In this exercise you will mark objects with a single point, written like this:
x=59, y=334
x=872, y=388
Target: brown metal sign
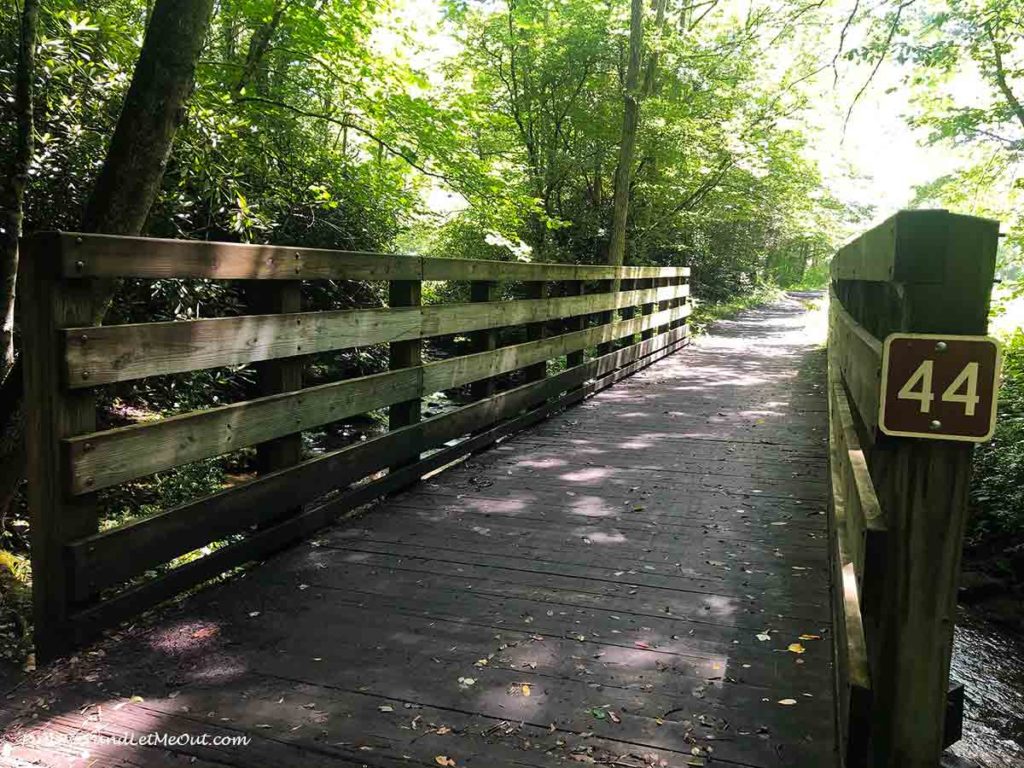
x=939, y=387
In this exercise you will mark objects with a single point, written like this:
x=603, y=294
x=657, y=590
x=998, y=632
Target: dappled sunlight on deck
x=632, y=584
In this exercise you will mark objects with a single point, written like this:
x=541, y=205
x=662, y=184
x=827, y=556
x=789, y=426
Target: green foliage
x=342, y=123
x=704, y=314
x=997, y=488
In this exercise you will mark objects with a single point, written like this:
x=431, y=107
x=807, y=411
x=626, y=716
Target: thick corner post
x=53, y=412
x=942, y=266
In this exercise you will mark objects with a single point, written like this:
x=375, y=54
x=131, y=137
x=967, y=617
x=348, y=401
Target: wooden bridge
x=580, y=565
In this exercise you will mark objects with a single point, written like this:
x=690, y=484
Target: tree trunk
x=152, y=111
x=259, y=44
x=1000, y=75
x=12, y=203
x=630, y=125
x=12, y=454
x=131, y=175
x=627, y=142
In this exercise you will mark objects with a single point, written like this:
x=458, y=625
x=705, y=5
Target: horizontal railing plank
x=102, y=459
x=858, y=357
x=108, y=354
x=852, y=454
x=88, y=621
x=457, y=371
x=97, y=562
x=91, y=255
x=851, y=646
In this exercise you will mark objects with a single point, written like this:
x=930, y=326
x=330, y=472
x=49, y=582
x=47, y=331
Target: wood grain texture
x=101, y=459
x=91, y=255
x=919, y=272
x=405, y=354
x=572, y=582
x=858, y=357
x=96, y=563
x=106, y=354
x=51, y=414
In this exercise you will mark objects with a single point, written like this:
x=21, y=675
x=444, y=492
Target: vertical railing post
x=628, y=313
x=485, y=340
x=266, y=297
x=943, y=267
x=405, y=354
x=576, y=323
x=536, y=289
x=52, y=412
x=663, y=282
x=647, y=308
x=603, y=318
x=676, y=303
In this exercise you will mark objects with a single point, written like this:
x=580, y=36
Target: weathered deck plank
x=602, y=579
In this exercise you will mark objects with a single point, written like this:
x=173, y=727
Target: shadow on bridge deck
x=619, y=586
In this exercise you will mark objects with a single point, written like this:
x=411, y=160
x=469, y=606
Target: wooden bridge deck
x=618, y=586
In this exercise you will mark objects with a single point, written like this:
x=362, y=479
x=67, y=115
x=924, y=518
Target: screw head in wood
x=936, y=424
x=85, y=374
x=78, y=241
x=941, y=346
x=89, y=482
x=79, y=265
x=83, y=338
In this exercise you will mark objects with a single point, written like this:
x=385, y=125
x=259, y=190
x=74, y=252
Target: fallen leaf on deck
x=385, y=708
x=796, y=648
x=787, y=702
x=614, y=718
x=526, y=690
x=810, y=637
x=763, y=636
x=444, y=760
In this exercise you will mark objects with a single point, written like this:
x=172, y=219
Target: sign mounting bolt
x=941, y=346
x=936, y=424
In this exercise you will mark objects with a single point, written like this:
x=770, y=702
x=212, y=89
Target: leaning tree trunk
x=13, y=201
x=152, y=111
x=134, y=167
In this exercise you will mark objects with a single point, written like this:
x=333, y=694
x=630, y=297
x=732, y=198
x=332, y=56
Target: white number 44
x=919, y=387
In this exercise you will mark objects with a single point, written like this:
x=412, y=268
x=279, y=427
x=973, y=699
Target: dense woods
x=662, y=133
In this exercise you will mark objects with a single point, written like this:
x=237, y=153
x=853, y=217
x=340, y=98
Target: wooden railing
x=899, y=505
x=86, y=579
